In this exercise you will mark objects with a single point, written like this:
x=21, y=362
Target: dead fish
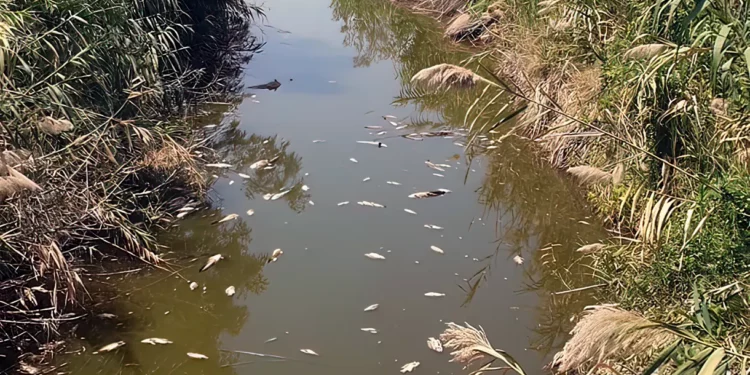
x=386, y=117
x=375, y=256
x=402, y=127
x=434, y=294
x=182, y=214
x=280, y=194
x=393, y=183
x=393, y=123
x=107, y=316
x=305, y=188
x=413, y=137
x=342, y=203
x=196, y=355
x=276, y=254
x=518, y=259
x=353, y=160
x=263, y=163
x=431, y=226
x=318, y=140
x=459, y=144
x=211, y=261
x=428, y=194
x=437, y=249
x=231, y=182
x=185, y=209
x=156, y=341
x=209, y=126
x=219, y=165
x=193, y=285
x=409, y=211
x=381, y=132
x=229, y=291
x=443, y=165
x=267, y=196
x=309, y=352
x=272, y=339
x=373, y=127
x=491, y=147
x=438, y=175
x=229, y=217
x=379, y=144
x=371, y=307
x=435, y=344
x=369, y=330
x=370, y=204
x=110, y=347
x=250, y=212
x=409, y=367
x=311, y=203
x=366, y=179
x=243, y=175
x=434, y=166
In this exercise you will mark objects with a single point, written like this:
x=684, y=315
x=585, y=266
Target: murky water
x=343, y=65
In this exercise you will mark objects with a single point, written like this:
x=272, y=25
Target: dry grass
x=14, y=183
x=459, y=27
x=610, y=333
x=589, y=175
x=470, y=344
x=447, y=76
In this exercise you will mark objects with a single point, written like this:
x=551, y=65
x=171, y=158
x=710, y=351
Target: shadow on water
x=532, y=205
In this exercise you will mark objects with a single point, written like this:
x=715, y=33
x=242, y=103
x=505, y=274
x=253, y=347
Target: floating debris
x=437, y=250
x=393, y=183
x=353, y=160
x=319, y=140
x=435, y=344
x=280, y=194
x=211, y=261
x=366, y=179
x=409, y=367
x=193, y=285
x=196, y=355
x=344, y=203
x=438, y=175
x=409, y=211
x=434, y=166
x=429, y=194
x=272, y=339
x=276, y=254
x=110, y=347
x=243, y=175
x=370, y=204
x=369, y=330
x=229, y=217
x=305, y=188
x=434, y=294
x=156, y=341
x=373, y=127
x=219, y=165
x=250, y=212
x=309, y=352
x=518, y=259
x=372, y=307
x=375, y=256
x=379, y=144
x=431, y=226
x=229, y=291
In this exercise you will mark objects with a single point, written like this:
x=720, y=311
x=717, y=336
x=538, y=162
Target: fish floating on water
x=193, y=285
x=379, y=144
x=430, y=226
x=309, y=352
x=272, y=339
x=435, y=344
x=409, y=211
x=369, y=330
x=229, y=291
x=393, y=183
x=370, y=204
x=196, y=355
x=366, y=179
x=275, y=255
x=429, y=194
x=110, y=347
x=353, y=160
x=518, y=259
x=279, y=194
x=344, y=203
x=211, y=261
x=437, y=249
x=156, y=341
x=373, y=127
x=409, y=367
x=219, y=165
x=375, y=256
x=273, y=86
x=371, y=307
x=434, y=294
x=229, y=217
x=243, y=175
x=260, y=164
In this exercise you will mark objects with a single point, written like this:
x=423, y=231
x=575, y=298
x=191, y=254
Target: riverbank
x=97, y=103
x=643, y=104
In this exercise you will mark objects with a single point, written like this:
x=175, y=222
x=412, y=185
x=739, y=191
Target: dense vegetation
x=646, y=103
x=95, y=149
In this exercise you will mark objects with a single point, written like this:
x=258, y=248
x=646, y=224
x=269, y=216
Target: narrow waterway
x=343, y=65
